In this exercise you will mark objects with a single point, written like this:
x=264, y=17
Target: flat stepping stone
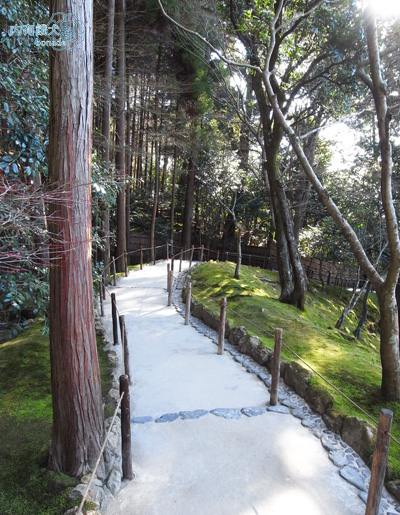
x=338, y=458
x=353, y=476
x=290, y=403
x=240, y=358
x=252, y=369
x=228, y=413
x=168, y=417
x=299, y=413
x=141, y=420
x=253, y=412
x=193, y=415
x=331, y=445
x=363, y=496
x=283, y=410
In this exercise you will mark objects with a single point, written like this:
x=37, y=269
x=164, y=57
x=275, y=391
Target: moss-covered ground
x=351, y=365
x=25, y=425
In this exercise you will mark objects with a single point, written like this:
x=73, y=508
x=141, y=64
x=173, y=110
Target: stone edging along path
x=348, y=440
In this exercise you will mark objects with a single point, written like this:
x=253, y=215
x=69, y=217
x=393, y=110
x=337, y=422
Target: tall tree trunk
x=157, y=151
x=106, y=130
x=238, y=250
x=364, y=313
x=291, y=274
x=189, y=202
x=76, y=390
x=303, y=187
x=172, y=215
x=120, y=138
x=128, y=163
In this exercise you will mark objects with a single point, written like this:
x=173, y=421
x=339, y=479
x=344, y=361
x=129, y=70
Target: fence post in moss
x=379, y=462
x=114, y=273
x=141, y=258
x=188, y=299
x=127, y=471
x=201, y=253
x=227, y=256
x=222, y=318
x=276, y=368
x=180, y=260
x=218, y=256
x=191, y=256
x=114, y=318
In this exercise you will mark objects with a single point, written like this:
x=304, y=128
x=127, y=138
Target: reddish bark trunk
x=76, y=390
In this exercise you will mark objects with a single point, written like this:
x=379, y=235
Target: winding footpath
x=204, y=439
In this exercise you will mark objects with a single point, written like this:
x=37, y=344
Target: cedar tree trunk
x=76, y=390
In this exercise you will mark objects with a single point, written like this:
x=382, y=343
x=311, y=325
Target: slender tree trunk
x=364, y=313
x=291, y=274
x=120, y=138
x=172, y=216
x=106, y=130
x=238, y=250
x=128, y=167
x=76, y=390
x=156, y=160
x=303, y=188
x=189, y=201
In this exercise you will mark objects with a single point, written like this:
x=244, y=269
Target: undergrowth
x=25, y=425
x=351, y=365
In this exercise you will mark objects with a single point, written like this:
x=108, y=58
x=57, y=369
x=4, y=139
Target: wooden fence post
x=379, y=462
x=172, y=263
x=170, y=282
x=103, y=285
x=101, y=302
x=114, y=273
x=114, y=318
x=180, y=261
x=276, y=367
x=141, y=258
x=168, y=271
x=188, y=299
x=127, y=472
x=227, y=256
x=154, y=254
x=125, y=349
x=222, y=318
x=126, y=263
x=191, y=256
x=218, y=256
x=201, y=253
x=167, y=251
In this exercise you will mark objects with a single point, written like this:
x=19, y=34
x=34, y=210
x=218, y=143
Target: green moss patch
x=26, y=487
x=351, y=365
